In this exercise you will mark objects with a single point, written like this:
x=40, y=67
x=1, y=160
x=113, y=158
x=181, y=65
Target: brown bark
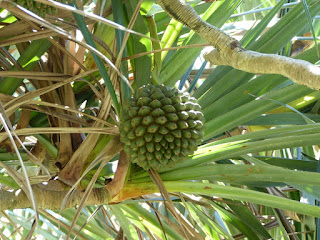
x=115, y=186
x=229, y=52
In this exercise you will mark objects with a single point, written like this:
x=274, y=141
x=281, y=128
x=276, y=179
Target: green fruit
x=40, y=8
x=160, y=126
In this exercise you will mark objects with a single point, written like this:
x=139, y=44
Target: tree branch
x=228, y=50
x=71, y=173
x=115, y=186
x=49, y=199
x=52, y=197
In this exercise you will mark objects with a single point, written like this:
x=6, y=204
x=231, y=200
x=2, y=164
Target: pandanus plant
x=102, y=109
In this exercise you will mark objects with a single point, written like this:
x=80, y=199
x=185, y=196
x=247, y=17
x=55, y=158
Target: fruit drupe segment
x=160, y=126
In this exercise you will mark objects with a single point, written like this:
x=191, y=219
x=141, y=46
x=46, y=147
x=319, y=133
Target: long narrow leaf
x=87, y=36
x=240, y=194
